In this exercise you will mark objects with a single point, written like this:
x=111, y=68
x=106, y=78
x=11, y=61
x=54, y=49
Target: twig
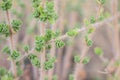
x=13, y=64
x=96, y=25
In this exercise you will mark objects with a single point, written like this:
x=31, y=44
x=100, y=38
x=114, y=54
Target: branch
x=96, y=25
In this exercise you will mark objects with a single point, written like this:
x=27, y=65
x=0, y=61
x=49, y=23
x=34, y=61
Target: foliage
x=86, y=60
x=72, y=33
x=98, y=51
x=59, y=43
x=4, y=29
x=76, y=59
x=15, y=54
x=34, y=60
x=6, y=4
x=16, y=25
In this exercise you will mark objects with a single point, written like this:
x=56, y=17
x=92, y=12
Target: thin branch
x=96, y=25
x=13, y=64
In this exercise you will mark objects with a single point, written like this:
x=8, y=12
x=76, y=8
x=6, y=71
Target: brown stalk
x=13, y=64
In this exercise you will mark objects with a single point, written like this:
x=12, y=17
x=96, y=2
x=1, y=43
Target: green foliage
x=76, y=59
x=26, y=48
x=34, y=60
x=86, y=22
x=71, y=77
x=90, y=30
x=72, y=33
x=6, y=4
x=50, y=63
x=45, y=14
x=92, y=19
x=6, y=50
x=98, y=51
x=56, y=33
x=59, y=43
x=16, y=25
x=48, y=35
x=39, y=43
x=89, y=42
x=15, y=54
x=86, y=60
x=4, y=29
x=100, y=1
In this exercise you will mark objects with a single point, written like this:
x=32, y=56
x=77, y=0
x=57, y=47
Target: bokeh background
x=71, y=14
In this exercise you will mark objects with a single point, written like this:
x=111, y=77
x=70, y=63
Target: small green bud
x=4, y=29
x=26, y=48
x=6, y=49
x=89, y=42
x=76, y=59
x=59, y=43
x=86, y=60
x=16, y=25
x=92, y=19
x=39, y=43
x=15, y=54
x=6, y=4
x=72, y=33
x=98, y=51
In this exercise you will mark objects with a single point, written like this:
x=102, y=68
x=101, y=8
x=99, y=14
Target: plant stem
x=13, y=64
x=95, y=25
x=42, y=56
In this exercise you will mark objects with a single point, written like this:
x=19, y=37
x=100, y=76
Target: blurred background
x=71, y=14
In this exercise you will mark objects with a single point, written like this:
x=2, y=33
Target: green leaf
x=6, y=49
x=15, y=54
x=26, y=48
x=72, y=33
x=6, y=4
x=98, y=51
x=86, y=60
x=92, y=19
x=4, y=29
x=76, y=59
x=59, y=43
x=16, y=25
